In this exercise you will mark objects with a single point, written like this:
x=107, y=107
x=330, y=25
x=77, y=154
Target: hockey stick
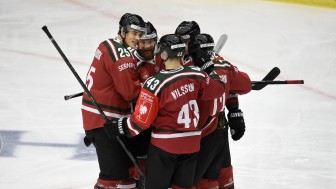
x=256, y=85
x=67, y=97
x=220, y=43
x=279, y=82
x=269, y=77
x=45, y=29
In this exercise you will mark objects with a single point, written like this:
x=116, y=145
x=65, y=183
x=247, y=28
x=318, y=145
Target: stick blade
x=269, y=77
x=221, y=42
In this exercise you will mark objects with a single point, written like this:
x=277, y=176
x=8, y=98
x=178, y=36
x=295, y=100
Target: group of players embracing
x=166, y=99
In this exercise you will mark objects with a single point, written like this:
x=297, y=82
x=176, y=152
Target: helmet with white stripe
x=150, y=32
x=131, y=21
x=201, y=42
x=187, y=29
x=171, y=44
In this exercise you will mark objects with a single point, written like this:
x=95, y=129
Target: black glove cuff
x=236, y=114
x=120, y=126
x=207, y=65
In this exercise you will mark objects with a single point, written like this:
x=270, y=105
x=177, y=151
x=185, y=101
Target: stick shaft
x=45, y=29
x=67, y=97
x=279, y=82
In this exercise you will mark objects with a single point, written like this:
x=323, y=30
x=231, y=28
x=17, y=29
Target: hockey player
x=214, y=163
x=115, y=83
x=144, y=55
x=167, y=101
x=187, y=30
x=147, y=67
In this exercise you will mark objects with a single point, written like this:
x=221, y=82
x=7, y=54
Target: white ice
x=290, y=138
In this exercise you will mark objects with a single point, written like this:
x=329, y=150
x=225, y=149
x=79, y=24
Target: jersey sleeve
x=146, y=110
x=241, y=82
x=232, y=101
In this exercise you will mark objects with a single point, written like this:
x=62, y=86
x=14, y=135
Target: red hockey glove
x=114, y=127
x=236, y=123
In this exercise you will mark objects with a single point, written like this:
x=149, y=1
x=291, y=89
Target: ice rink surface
x=290, y=141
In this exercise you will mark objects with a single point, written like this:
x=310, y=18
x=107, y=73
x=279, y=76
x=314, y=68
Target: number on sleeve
x=152, y=83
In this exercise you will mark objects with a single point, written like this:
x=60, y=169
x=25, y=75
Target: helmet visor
x=135, y=27
x=149, y=36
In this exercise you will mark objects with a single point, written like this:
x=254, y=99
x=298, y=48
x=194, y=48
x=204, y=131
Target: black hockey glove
x=114, y=127
x=208, y=67
x=202, y=59
x=236, y=123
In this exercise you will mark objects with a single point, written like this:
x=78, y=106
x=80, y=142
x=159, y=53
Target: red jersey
x=113, y=81
x=236, y=82
x=168, y=102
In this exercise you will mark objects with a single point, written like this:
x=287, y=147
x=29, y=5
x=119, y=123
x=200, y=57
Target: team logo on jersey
x=98, y=54
x=143, y=109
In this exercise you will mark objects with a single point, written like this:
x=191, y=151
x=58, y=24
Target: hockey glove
x=208, y=67
x=114, y=127
x=236, y=123
x=202, y=59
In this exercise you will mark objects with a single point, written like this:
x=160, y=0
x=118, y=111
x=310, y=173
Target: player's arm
x=235, y=116
x=144, y=115
x=240, y=82
x=146, y=110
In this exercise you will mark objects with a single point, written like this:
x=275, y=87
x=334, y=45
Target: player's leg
x=211, y=146
x=160, y=166
x=113, y=161
x=225, y=178
x=184, y=173
x=208, y=183
x=139, y=147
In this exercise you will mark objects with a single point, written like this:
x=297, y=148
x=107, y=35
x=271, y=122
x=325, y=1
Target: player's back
x=178, y=113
